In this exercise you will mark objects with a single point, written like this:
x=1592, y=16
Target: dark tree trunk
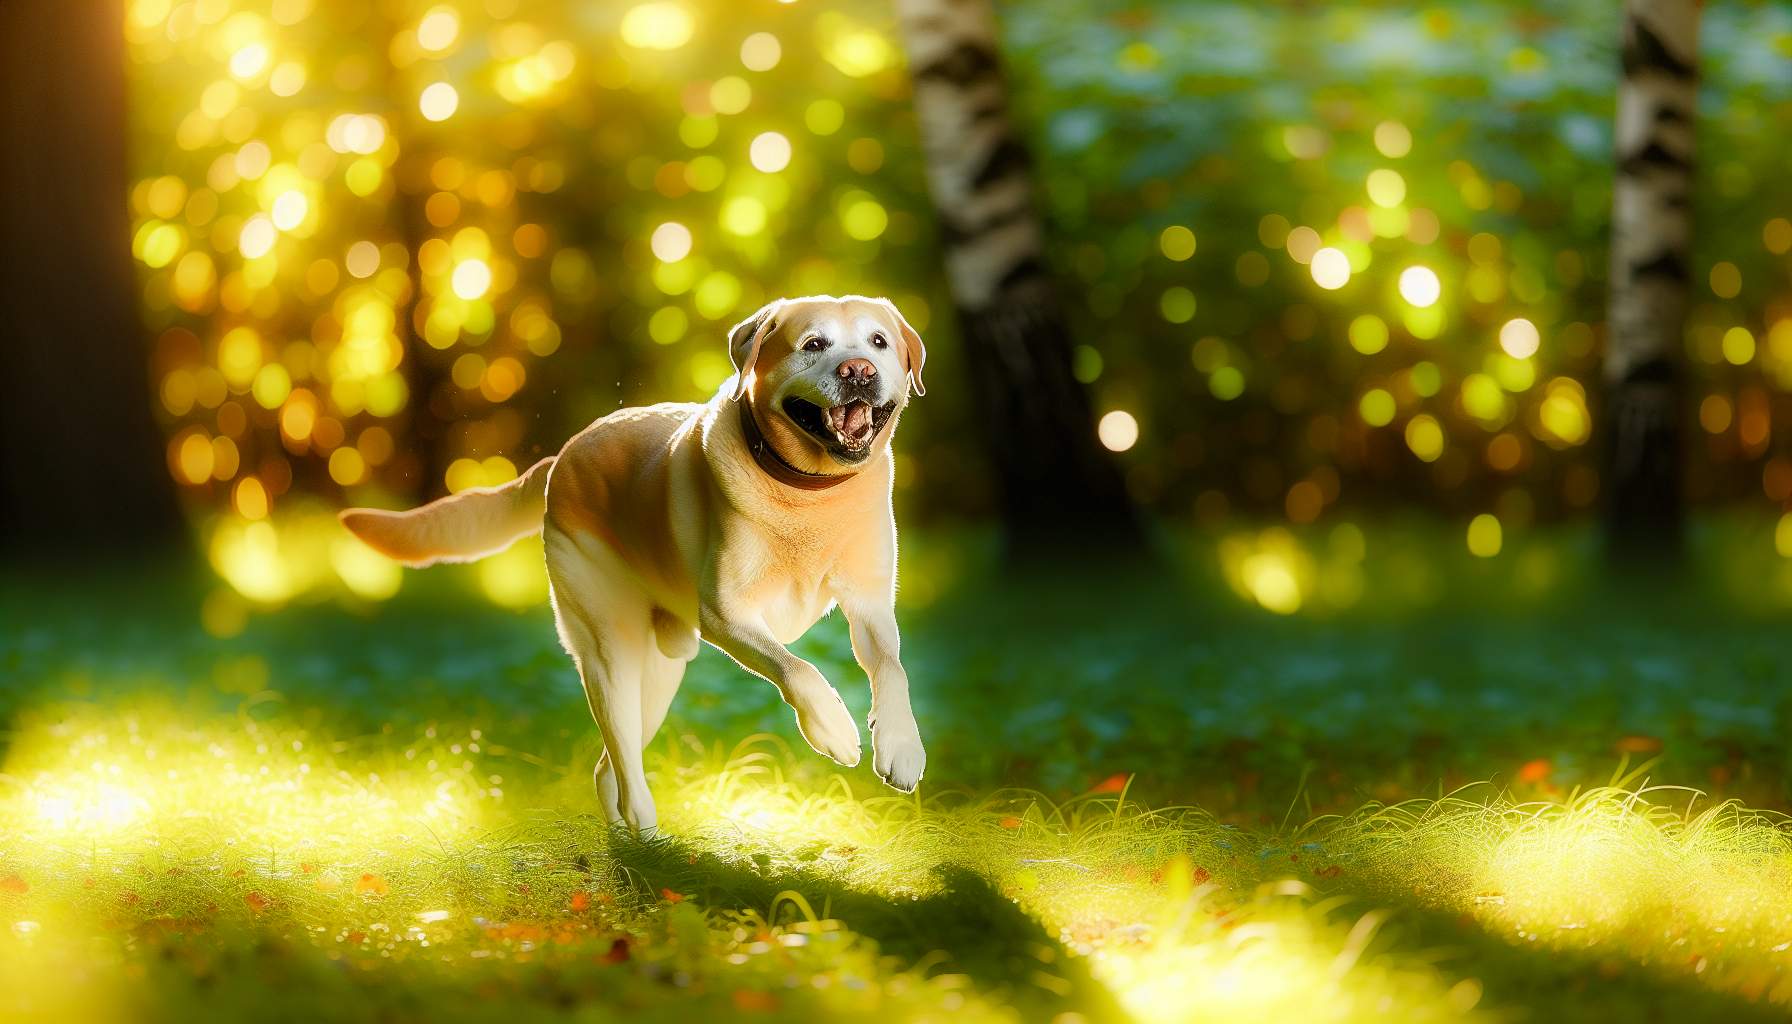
x=1056, y=482
x=1650, y=278
x=81, y=465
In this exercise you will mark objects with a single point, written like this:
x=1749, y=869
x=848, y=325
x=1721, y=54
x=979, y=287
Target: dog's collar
x=774, y=464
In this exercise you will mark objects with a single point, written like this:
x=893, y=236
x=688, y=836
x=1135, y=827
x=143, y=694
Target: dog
x=739, y=521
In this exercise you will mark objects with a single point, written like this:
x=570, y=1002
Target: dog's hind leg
x=605, y=628
x=659, y=684
x=660, y=678
x=604, y=777
x=611, y=665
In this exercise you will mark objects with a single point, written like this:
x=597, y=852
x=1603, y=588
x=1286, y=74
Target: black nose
x=856, y=371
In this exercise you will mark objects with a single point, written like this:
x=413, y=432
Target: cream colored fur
x=660, y=528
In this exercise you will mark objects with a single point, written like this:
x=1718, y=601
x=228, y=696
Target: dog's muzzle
x=847, y=427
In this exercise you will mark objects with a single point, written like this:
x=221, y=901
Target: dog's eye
x=879, y=341
x=815, y=344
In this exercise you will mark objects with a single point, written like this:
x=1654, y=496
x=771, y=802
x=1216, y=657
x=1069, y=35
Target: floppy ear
x=744, y=342
x=912, y=349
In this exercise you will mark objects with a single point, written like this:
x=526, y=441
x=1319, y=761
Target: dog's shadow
x=964, y=926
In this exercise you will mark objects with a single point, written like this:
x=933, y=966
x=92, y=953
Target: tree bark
x=81, y=465
x=1056, y=483
x=1650, y=276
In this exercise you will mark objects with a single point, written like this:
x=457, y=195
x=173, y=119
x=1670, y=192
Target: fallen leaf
x=1534, y=771
x=1010, y=822
x=372, y=885
x=750, y=1001
x=257, y=902
x=671, y=897
x=15, y=885
x=1639, y=745
x=581, y=900
x=1112, y=784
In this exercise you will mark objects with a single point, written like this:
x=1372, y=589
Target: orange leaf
x=1640, y=745
x=1534, y=771
x=671, y=897
x=15, y=885
x=1011, y=822
x=749, y=1001
x=581, y=900
x=372, y=885
x=257, y=902
x=1112, y=784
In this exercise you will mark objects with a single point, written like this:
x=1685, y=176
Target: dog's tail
x=461, y=527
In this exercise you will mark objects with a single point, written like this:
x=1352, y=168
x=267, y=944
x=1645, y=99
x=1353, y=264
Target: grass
x=1479, y=798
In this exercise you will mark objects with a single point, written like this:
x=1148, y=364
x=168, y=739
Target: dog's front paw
x=898, y=757
x=829, y=728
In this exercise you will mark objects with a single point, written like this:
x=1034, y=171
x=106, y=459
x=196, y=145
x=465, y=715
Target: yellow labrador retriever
x=740, y=521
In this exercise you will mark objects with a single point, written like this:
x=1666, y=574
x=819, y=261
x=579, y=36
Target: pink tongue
x=858, y=419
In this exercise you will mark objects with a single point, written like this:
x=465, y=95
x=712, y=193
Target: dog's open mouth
x=845, y=429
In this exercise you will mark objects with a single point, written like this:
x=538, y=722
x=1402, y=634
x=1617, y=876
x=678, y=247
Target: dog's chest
x=792, y=606
x=794, y=559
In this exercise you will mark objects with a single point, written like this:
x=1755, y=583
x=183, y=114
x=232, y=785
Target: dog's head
x=826, y=376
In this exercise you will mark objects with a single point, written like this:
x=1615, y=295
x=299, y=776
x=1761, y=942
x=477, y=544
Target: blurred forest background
x=1358, y=264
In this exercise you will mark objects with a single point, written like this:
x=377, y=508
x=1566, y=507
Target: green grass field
x=1444, y=788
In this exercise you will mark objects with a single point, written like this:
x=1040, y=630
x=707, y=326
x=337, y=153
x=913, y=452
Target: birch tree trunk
x=1056, y=482
x=1650, y=274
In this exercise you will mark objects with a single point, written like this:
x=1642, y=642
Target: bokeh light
x=438, y=101
x=1519, y=338
x=1330, y=268
x=1118, y=430
x=770, y=152
x=657, y=26
x=1419, y=285
x=671, y=242
x=1485, y=536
